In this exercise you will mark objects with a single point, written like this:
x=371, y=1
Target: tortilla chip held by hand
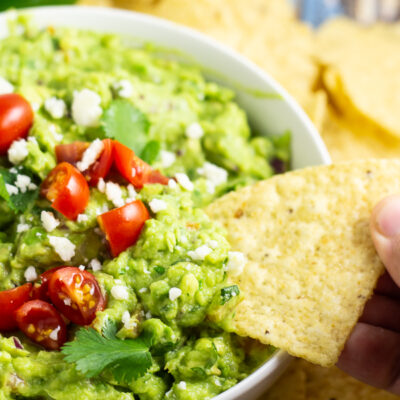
x=311, y=264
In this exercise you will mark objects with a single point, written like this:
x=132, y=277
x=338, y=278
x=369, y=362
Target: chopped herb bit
x=228, y=292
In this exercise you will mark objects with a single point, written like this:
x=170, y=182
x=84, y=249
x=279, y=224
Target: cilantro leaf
x=150, y=151
x=228, y=292
x=20, y=201
x=127, y=124
x=92, y=353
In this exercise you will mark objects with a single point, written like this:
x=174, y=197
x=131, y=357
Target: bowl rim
x=279, y=360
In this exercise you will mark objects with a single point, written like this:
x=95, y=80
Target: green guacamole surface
x=193, y=358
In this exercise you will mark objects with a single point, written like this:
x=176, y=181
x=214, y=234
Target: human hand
x=372, y=353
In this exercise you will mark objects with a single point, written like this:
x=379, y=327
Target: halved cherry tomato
x=76, y=294
x=67, y=189
x=41, y=287
x=16, y=118
x=73, y=152
x=134, y=169
x=10, y=301
x=42, y=323
x=123, y=225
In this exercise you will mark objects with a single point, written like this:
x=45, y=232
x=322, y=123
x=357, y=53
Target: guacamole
x=169, y=281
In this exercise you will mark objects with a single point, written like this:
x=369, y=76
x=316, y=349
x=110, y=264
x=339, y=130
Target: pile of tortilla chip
x=346, y=76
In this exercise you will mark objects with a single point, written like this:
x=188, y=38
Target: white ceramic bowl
x=272, y=114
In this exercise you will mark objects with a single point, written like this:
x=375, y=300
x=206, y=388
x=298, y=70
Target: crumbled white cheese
x=49, y=221
x=82, y=267
x=126, y=320
x=148, y=315
x=133, y=172
x=11, y=189
x=53, y=130
x=63, y=247
x=102, y=210
x=200, y=253
x=174, y=293
x=5, y=86
x=216, y=175
x=184, y=181
x=123, y=88
x=67, y=301
x=194, y=131
x=131, y=194
x=30, y=274
x=213, y=244
x=22, y=227
x=143, y=290
x=172, y=184
x=95, y=264
x=114, y=194
x=17, y=151
x=120, y=292
x=82, y=218
x=55, y=107
x=54, y=334
x=91, y=154
x=101, y=185
x=182, y=385
x=167, y=158
x=236, y=262
x=35, y=106
x=86, y=110
x=157, y=205
x=24, y=183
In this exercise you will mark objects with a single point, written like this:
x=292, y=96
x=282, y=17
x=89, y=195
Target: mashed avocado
x=170, y=280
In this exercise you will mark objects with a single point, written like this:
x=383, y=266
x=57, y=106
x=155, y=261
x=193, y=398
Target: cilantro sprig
x=20, y=201
x=127, y=124
x=93, y=353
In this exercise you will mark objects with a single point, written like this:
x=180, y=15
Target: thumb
x=385, y=232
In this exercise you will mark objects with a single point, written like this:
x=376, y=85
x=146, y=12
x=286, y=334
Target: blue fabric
x=315, y=12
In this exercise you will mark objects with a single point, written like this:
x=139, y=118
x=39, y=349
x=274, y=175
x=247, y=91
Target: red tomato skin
x=123, y=225
x=37, y=319
x=10, y=301
x=102, y=165
x=16, y=118
x=67, y=189
x=40, y=290
x=73, y=152
x=126, y=162
x=72, y=290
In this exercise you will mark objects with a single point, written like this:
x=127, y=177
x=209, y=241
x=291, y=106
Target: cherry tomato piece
x=123, y=225
x=67, y=189
x=76, y=294
x=73, y=152
x=102, y=165
x=134, y=169
x=41, y=287
x=10, y=301
x=42, y=323
x=16, y=118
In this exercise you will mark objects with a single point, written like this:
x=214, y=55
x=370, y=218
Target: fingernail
x=388, y=218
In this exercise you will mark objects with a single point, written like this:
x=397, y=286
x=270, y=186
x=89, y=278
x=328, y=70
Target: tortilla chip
x=361, y=72
x=311, y=262
x=347, y=141
x=290, y=386
x=332, y=383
